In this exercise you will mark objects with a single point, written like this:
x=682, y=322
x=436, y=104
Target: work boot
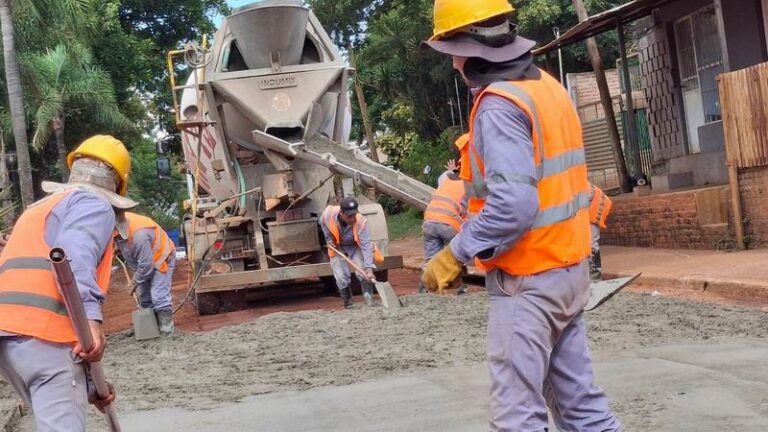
x=595, y=267
x=346, y=296
x=422, y=288
x=367, y=293
x=165, y=322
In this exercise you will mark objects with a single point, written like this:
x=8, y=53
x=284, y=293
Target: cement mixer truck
x=264, y=117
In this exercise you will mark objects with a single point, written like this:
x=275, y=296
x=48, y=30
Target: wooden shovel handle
x=351, y=263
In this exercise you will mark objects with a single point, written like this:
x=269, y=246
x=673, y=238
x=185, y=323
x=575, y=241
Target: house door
x=700, y=61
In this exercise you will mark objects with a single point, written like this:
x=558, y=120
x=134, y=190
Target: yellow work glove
x=441, y=271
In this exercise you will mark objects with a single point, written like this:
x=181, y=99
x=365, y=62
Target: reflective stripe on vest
x=30, y=302
x=34, y=300
x=478, y=187
x=445, y=207
x=559, y=236
x=600, y=206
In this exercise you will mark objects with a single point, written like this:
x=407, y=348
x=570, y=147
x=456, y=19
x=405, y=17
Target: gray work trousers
x=156, y=292
x=436, y=237
x=341, y=268
x=538, y=354
x=594, y=230
x=49, y=380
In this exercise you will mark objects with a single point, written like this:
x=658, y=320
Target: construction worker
x=445, y=213
x=599, y=208
x=151, y=254
x=528, y=225
x=347, y=230
x=39, y=353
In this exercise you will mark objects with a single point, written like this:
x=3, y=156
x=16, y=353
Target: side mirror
x=163, y=165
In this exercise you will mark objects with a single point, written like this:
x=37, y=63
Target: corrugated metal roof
x=602, y=22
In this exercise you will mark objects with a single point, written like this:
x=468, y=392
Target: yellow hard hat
x=109, y=150
x=451, y=15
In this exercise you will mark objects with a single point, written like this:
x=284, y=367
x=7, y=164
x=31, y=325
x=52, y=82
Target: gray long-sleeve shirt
x=82, y=224
x=502, y=137
x=348, y=245
x=139, y=255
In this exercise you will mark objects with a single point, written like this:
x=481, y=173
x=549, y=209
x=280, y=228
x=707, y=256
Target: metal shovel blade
x=387, y=295
x=601, y=292
x=145, y=324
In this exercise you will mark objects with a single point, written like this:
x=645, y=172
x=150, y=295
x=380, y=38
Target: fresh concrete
x=714, y=386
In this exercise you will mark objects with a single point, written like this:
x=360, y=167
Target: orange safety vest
x=162, y=247
x=445, y=206
x=30, y=301
x=599, y=208
x=559, y=236
x=330, y=218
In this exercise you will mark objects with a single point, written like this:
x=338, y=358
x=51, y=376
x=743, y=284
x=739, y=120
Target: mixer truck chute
x=264, y=119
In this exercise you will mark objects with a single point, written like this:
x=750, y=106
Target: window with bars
x=700, y=59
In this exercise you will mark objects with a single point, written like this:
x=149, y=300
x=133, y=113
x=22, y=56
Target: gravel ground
x=302, y=350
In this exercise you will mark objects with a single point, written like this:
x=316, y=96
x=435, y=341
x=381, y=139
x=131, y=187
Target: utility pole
x=364, y=109
x=605, y=98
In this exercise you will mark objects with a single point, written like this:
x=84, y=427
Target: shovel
x=600, y=292
x=386, y=292
x=144, y=320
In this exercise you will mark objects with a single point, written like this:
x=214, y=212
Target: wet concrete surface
x=714, y=386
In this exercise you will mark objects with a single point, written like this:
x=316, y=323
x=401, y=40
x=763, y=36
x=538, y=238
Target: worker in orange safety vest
x=39, y=353
x=599, y=209
x=151, y=254
x=445, y=213
x=528, y=224
x=347, y=231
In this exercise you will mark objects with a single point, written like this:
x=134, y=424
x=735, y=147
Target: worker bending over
x=599, y=209
x=444, y=215
x=528, y=225
x=151, y=254
x=39, y=353
x=347, y=230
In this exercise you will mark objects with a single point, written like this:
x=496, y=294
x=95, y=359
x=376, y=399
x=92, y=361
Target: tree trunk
x=16, y=104
x=5, y=184
x=61, y=148
x=605, y=98
x=364, y=111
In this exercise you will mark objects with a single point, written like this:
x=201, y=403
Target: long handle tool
x=386, y=292
x=71, y=295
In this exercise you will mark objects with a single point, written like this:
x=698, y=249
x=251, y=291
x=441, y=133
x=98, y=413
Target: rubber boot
x=346, y=296
x=367, y=293
x=422, y=288
x=595, y=267
x=165, y=322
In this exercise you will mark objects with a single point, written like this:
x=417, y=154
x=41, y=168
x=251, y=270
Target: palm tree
x=63, y=80
x=16, y=103
x=68, y=22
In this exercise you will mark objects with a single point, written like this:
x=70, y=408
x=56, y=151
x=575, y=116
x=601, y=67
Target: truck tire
x=208, y=303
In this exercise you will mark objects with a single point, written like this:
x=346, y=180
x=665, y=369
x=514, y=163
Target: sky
x=232, y=4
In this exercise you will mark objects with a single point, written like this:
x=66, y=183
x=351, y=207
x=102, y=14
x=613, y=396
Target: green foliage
x=405, y=225
x=434, y=153
x=397, y=147
x=64, y=79
x=158, y=199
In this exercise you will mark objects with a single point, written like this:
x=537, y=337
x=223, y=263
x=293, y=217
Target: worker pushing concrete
x=39, y=353
x=599, y=209
x=445, y=213
x=528, y=226
x=151, y=254
x=347, y=230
